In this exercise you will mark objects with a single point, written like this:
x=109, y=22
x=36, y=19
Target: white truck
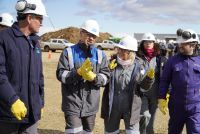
x=55, y=44
x=106, y=44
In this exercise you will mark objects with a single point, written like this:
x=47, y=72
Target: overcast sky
x=120, y=16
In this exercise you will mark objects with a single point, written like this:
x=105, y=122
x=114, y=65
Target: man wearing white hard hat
x=6, y=20
x=82, y=70
x=121, y=99
x=182, y=71
x=21, y=75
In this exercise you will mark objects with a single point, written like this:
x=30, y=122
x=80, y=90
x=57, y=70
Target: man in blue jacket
x=82, y=69
x=21, y=77
x=182, y=71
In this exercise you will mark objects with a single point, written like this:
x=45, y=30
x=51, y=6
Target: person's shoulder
x=5, y=34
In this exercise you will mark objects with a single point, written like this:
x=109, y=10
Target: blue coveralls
x=183, y=72
x=21, y=75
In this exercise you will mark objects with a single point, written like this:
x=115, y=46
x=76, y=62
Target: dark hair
x=141, y=49
x=21, y=16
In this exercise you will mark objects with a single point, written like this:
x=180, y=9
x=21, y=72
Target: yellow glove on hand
x=89, y=76
x=112, y=64
x=163, y=105
x=85, y=67
x=151, y=73
x=18, y=109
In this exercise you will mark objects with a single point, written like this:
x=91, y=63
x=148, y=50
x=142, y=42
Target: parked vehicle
x=106, y=44
x=55, y=44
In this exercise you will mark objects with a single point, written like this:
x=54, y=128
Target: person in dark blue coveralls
x=182, y=71
x=21, y=76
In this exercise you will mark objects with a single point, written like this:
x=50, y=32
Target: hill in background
x=71, y=34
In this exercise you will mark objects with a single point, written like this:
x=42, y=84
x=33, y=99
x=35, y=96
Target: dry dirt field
x=52, y=121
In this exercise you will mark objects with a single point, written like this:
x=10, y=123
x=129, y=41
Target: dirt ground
x=52, y=121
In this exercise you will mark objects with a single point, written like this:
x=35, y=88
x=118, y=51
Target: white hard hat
x=31, y=6
x=129, y=43
x=187, y=35
x=91, y=26
x=148, y=36
x=6, y=19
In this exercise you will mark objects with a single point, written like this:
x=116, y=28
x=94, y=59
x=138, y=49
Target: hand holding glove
x=112, y=64
x=85, y=67
x=163, y=104
x=89, y=76
x=18, y=109
x=151, y=73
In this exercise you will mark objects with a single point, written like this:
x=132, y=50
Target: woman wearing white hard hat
x=121, y=98
x=6, y=20
x=148, y=52
x=21, y=77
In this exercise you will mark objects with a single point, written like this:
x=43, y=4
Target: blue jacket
x=21, y=74
x=80, y=97
x=183, y=72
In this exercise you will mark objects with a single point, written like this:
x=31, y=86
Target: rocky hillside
x=71, y=34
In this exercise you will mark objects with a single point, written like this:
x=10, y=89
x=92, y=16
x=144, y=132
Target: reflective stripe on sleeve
x=64, y=74
x=104, y=78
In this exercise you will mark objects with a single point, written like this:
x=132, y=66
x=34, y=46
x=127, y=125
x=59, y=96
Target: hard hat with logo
x=148, y=36
x=187, y=35
x=31, y=6
x=128, y=43
x=91, y=26
x=6, y=19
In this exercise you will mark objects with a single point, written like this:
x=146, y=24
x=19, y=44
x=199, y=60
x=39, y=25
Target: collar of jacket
x=17, y=32
x=85, y=49
x=192, y=57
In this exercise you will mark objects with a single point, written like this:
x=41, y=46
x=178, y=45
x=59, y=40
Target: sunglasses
x=185, y=34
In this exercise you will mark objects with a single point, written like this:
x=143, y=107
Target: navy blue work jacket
x=21, y=74
x=183, y=73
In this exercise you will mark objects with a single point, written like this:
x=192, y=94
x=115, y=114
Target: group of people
x=137, y=79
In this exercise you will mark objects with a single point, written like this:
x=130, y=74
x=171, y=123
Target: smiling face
x=87, y=38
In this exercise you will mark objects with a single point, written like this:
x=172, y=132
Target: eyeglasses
x=185, y=34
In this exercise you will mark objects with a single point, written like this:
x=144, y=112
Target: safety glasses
x=185, y=34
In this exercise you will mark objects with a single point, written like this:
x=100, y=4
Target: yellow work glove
x=89, y=76
x=163, y=104
x=85, y=67
x=151, y=73
x=112, y=64
x=18, y=109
